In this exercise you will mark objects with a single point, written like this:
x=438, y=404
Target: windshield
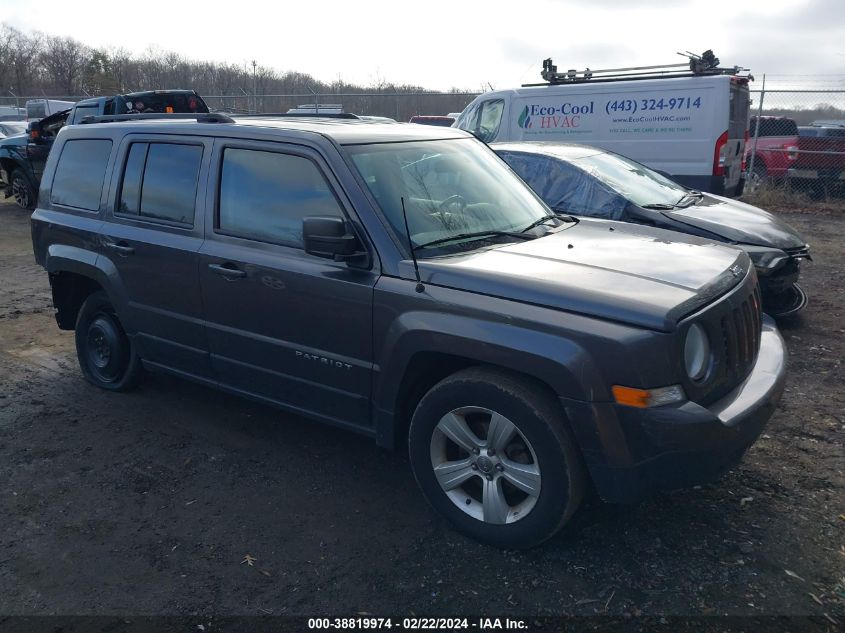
x=636, y=182
x=450, y=188
x=36, y=110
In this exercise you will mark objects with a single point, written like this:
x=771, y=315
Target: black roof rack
x=318, y=115
x=706, y=64
x=199, y=117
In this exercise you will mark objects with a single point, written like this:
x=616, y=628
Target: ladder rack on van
x=706, y=64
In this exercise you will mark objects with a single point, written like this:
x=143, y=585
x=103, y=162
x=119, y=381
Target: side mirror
x=329, y=237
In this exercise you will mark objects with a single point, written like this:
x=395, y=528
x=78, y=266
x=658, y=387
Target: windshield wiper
x=544, y=219
x=477, y=234
x=693, y=196
x=659, y=205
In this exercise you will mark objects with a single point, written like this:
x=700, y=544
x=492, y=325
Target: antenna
x=420, y=287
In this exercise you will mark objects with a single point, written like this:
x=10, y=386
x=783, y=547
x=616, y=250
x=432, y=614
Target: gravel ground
x=148, y=502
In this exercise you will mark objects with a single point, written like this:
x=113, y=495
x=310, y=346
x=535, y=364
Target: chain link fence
x=796, y=146
x=398, y=106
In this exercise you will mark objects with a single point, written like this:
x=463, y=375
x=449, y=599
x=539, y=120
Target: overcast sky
x=463, y=44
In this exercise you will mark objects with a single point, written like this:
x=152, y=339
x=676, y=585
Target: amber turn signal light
x=645, y=398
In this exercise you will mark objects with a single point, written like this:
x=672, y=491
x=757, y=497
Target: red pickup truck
x=820, y=166
x=776, y=147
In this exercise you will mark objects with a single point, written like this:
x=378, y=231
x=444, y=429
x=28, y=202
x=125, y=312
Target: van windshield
x=37, y=110
x=634, y=181
x=450, y=188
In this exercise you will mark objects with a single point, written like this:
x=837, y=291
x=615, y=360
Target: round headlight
x=696, y=352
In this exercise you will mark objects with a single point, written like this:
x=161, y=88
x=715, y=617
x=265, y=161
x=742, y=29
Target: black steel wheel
x=106, y=355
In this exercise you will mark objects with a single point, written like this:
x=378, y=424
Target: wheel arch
x=75, y=274
x=9, y=165
x=419, y=359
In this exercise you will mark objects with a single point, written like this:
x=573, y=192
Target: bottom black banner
x=285, y=624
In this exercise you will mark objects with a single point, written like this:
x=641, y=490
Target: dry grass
x=783, y=198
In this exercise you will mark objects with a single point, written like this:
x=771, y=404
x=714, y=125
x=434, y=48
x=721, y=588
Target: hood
x=17, y=140
x=612, y=270
x=738, y=222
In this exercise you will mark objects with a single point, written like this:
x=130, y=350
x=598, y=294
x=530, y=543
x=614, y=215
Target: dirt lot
x=147, y=503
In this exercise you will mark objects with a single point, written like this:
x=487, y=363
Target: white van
x=37, y=109
x=692, y=127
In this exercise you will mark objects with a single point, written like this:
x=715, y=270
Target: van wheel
x=23, y=190
x=493, y=454
x=106, y=355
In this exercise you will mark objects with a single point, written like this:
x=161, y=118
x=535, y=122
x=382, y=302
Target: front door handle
x=122, y=248
x=227, y=270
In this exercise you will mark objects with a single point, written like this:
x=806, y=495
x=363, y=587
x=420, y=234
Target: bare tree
x=22, y=57
x=64, y=59
x=34, y=64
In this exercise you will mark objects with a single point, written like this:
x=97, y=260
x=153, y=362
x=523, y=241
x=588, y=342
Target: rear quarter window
x=80, y=173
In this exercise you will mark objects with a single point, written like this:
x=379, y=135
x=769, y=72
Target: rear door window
x=160, y=182
x=80, y=173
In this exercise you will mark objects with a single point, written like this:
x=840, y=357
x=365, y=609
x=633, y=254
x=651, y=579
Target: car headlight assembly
x=766, y=258
x=697, y=352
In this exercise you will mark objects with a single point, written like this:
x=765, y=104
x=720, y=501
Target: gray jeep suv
x=402, y=282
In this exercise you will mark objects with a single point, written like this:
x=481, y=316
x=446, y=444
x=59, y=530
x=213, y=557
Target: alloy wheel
x=485, y=465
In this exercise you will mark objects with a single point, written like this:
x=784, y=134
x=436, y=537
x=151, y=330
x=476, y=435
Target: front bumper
x=631, y=452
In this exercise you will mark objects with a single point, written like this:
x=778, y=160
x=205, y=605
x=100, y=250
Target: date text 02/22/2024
x=417, y=624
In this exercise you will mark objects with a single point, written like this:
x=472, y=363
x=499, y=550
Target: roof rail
x=299, y=115
x=199, y=117
x=706, y=64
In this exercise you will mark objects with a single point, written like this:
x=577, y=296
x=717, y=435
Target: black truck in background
x=22, y=157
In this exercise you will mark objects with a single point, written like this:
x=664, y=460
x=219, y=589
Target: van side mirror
x=329, y=237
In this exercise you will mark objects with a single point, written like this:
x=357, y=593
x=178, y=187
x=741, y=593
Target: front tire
x=106, y=355
x=492, y=453
x=786, y=304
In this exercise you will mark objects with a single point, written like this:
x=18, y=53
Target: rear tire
x=757, y=179
x=493, y=454
x=106, y=355
x=23, y=190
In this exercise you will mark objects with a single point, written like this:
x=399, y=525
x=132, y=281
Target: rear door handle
x=227, y=270
x=121, y=248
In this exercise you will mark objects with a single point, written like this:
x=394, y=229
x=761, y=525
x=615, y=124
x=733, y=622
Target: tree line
x=36, y=64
